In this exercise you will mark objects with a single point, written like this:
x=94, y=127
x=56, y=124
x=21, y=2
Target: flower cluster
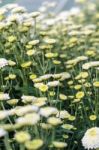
x=49, y=77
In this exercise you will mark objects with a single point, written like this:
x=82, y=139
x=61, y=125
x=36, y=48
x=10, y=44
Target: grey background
x=33, y=5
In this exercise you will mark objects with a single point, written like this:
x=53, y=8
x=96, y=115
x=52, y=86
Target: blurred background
x=33, y=5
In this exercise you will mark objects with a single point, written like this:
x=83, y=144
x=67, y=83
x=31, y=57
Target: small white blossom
x=4, y=96
x=47, y=111
x=3, y=62
x=2, y=132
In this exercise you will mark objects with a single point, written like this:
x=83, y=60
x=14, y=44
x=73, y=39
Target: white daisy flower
x=88, y=65
x=28, y=98
x=47, y=111
x=53, y=83
x=4, y=96
x=29, y=119
x=3, y=62
x=91, y=138
x=2, y=132
x=63, y=114
x=26, y=109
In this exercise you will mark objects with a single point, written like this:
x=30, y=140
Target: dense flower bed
x=49, y=78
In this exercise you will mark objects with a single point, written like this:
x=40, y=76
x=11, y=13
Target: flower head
x=91, y=138
x=3, y=62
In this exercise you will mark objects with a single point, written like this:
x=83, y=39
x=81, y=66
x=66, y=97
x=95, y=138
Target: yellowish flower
x=56, y=62
x=72, y=118
x=33, y=76
x=11, y=63
x=34, y=144
x=76, y=100
x=96, y=84
x=30, y=52
x=28, y=46
x=26, y=64
x=12, y=39
x=93, y=117
x=22, y=136
x=12, y=76
x=12, y=102
x=73, y=40
x=33, y=42
x=65, y=136
x=80, y=95
x=59, y=145
x=90, y=53
x=70, y=82
x=67, y=126
x=43, y=88
x=77, y=87
x=52, y=93
x=45, y=126
x=49, y=41
x=84, y=74
x=51, y=55
x=62, y=97
x=54, y=121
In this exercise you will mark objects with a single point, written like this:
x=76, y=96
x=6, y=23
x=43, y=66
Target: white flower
x=90, y=64
x=28, y=98
x=65, y=75
x=15, y=17
x=3, y=11
x=4, y=96
x=47, y=111
x=53, y=83
x=2, y=132
x=26, y=109
x=3, y=62
x=63, y=114
x=76, y=60
x=10, y=6
x=18, y=9
x=29, y=119
x=3, y=114
x=46, y=76
x=91, y=138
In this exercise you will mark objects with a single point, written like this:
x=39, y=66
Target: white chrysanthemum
x=65, y=75
x=46, y=76
x=28, y=119
x=3, y=62
x=4, y=96
x=28, y=98
x=63, y=114
x=18, y=9
x=53, y=83
x=3, y=11
x=2, y=132
x=26, y=109
x=47, y=111
x=76, y=60
x=3, y=114
x=91, y=138
x=88, y=65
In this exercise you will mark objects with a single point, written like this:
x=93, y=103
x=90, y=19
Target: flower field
x=49, y=78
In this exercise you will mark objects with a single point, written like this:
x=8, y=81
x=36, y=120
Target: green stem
x=22, y=147
x=7, y=144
